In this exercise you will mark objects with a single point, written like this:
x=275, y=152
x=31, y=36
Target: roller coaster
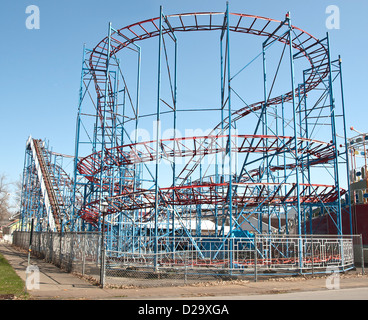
x=265, y=167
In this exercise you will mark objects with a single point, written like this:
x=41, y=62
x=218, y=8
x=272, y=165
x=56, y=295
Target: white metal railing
x=276, y=252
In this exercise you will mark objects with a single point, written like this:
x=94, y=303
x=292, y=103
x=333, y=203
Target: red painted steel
x=201, y=146
x=212, y=194
x=188, y=194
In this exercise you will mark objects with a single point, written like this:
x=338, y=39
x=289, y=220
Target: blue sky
x=40, y=69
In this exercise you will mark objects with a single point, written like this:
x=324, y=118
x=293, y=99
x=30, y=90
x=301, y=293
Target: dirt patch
x=198, y=295
x=7, y=297
x=277, y=291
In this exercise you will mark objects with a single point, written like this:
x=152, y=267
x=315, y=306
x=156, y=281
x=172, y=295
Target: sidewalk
x=56, y=284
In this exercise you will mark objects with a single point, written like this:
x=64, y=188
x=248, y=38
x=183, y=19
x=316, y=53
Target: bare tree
x=17, y=195
x=4, y=200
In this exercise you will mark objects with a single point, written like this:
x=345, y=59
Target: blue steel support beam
x=157, y=142
x=333, y=133
x=222, y=125
x=308, y=157
x=174, y=123
x=295, y=137
x=24, y=187
x=77, y=137
x=103, y=131
x=230, y=190
x=346, y=146
x=266, y=165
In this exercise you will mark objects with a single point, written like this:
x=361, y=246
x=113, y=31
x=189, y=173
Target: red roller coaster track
x=192, y=147
x=247, y=194
x=195, y=148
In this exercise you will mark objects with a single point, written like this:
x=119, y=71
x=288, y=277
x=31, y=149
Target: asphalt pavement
x=55, y=284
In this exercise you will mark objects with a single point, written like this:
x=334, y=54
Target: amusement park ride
x=277, y=156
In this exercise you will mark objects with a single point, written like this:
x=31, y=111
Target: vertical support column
x=284, y=162
x=138, y=92
x=175, y=119
x=24, y=192
x=103, y=128
x=302, y=166
x=122, y=170
x=230, y=196
x=157, y=140
x=308, y=156
x=296, y=140
x=136, y=167
x=222, y=179
x=171, y=215
x=336, y=158
x=266, y=163
x=136, y=176
x=333, y=133
x=104, y=106
x=346, y=147
x=77, y=137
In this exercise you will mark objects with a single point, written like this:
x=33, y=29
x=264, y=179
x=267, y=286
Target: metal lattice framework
x=47, y=190
x=263, y=167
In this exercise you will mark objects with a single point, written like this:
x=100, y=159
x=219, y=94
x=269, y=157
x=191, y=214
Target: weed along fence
x=192, y=259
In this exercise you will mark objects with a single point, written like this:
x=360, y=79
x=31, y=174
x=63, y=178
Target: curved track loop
x=211, y=194
x=192, y=147
x=305, y=45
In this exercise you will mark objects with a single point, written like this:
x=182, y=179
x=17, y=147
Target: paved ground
x=56, y=284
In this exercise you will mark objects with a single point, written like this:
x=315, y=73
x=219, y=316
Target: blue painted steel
x=346, y=146
x=152, y=229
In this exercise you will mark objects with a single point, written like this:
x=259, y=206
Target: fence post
x=185, y=274
x=60, y=254
x=84, y=254
x=103, y=253
x=312, y=254
x=71, y=256
x=362, y=252
x=29, y=251
x=103, y=263
x=255, y=257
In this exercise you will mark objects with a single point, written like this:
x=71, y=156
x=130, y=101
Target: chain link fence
x=208, y=259
x=77, y=252
x=172, y=261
